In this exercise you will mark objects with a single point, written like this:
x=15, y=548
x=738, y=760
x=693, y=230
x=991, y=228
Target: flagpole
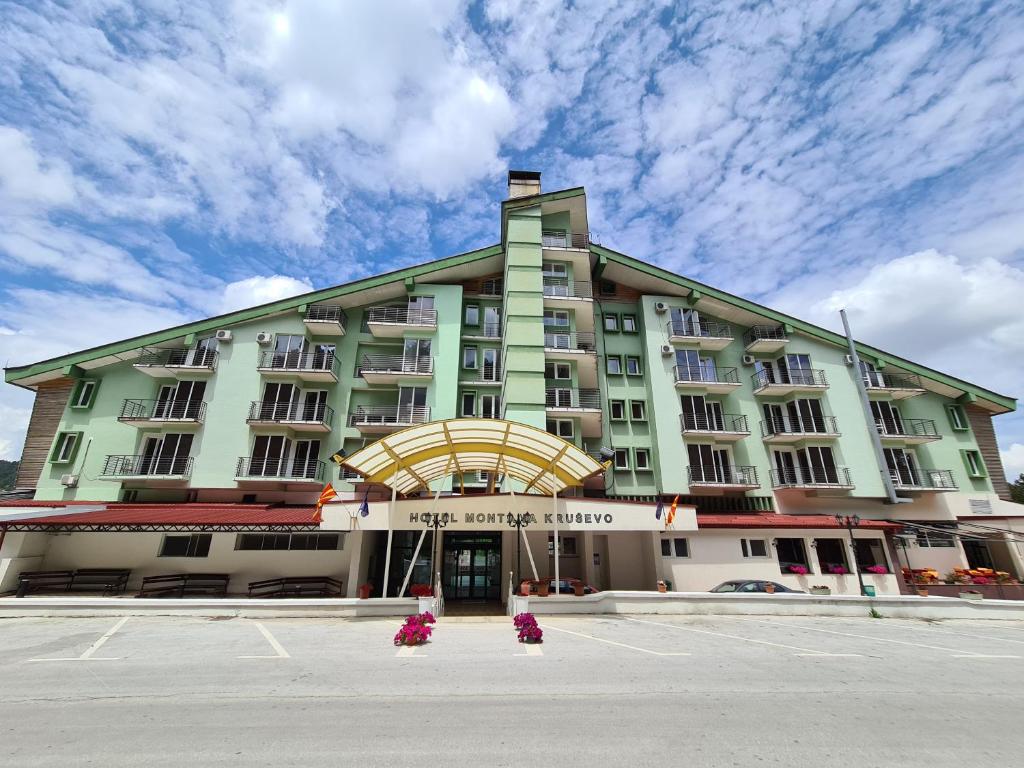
x=387, y=554
x=554, y=504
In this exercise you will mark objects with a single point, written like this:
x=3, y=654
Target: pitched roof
x=154, y=515
x=773, y=520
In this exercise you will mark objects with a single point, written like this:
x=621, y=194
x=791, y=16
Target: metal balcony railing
x=936, y=479
x=557, y=287
x=764, y=333
x=906, y=428
x=147, y=466
x=395, y=364
x=178, y=358
x=836, y=477
x=484, y=374
x=556, y=239
x=316, y=361
x=559, y=397
x=812, y=425
x=484, y=330
x=491, y=287
x=802, y=377
x=274, y=467
x=308, y=413
x=583, y=340
x=326, y=313
x=402, y=316
x=880, y=380
x=704, y=329
x=711, y=474
x=707, y=373
x=389, y=415
x=158, y=410
x=723, y=422
x=349, y=475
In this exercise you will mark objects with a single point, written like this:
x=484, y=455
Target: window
x=84, y=393
x=553, y=269
x=287, y=541
x=611, y=323
x=675, y=548
x=957, y=418
x=618, y=410
x=472, y=314
x=129, y=497
x=189, y=545
x=469, y=357
x=557, y=371
x=629, y=323
x=492, y=287
x=566, y=546
x=791, y=552
x=637, y=412
x=929, y=538
x=832, y=556
x=65, y=447
x=489, y=407
x=614, y=364
x=621, y=458
x=607, y=288
x=754, y=547
x=633, y=366
x=642, y=459
x=469, y=404
x=561, y=427
x=557, y=317
x=974, y=463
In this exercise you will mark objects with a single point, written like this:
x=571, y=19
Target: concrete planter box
x=820, y=591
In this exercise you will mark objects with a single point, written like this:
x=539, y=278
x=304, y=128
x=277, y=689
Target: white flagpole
x=554, y=502
x=387, y=555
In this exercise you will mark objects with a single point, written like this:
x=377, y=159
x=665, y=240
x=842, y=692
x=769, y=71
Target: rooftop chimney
x=523, y=184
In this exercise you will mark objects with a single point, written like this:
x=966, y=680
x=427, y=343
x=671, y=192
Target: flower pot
x=662, y=586
x=769, y=589
x=364, y=591
x=821, y=591
x=922, y=592
x=543, y=589
x=524, y=590
x=577, y=590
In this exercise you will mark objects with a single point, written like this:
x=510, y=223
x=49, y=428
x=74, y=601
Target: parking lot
x=641, y=689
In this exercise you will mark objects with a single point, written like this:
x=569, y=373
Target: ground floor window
x=567, y=546
x=832, y=556
x=870, y=555
x=287, y=541
x=677, y=547
x=754, y=547
x=792, y=556
x=187, y=545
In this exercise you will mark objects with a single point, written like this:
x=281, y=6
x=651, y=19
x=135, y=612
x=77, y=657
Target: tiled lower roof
x=773, y=520
x=178, y=514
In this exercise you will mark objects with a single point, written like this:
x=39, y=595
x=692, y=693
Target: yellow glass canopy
x=413, y=458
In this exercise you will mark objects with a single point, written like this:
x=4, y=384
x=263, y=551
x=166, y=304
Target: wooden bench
x=296, y=586
x=112, y=581
x=43, y=581
x=185, y=585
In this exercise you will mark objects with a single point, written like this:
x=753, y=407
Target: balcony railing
x=396, y=364
x=389, y=416
x=326, y=313
x=484, y=374
x=880, y=380
x=162, y=410
x=711, y=374
x=703, y=329
x=307, y=413
x=816, y=425
x=178, y=358
x=724, y=422
x=556, y=287
x=147, y=466
x=800, y=377
x=556, y=239
x=931, y=479
x=402, y=316
x=764, y=333
x=711, y=474
x=823, y=477
x=279, y=468
x=317, y=361
x=558, y=397
x=906, y=428
x=484, y=330
x=584, y=341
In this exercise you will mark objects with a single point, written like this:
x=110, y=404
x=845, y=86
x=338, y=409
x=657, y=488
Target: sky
x=165, y=161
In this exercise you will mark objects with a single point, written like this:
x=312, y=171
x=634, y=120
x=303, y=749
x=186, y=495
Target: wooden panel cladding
x=985, y=436
x=622, y=292
x=475, y=286
x=47, y=411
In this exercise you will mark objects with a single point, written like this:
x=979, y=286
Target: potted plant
x=662, y=586
x=799, y=570
x=820, y=589
x=416, y=630
x=527, y=629
x=769, y=588
x=837, y=570
x=524, y=589
x=365, y=590
x=543, y=588
x=577, y=588
x=878, y=570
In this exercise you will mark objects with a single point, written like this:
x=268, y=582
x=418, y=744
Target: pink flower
x=876, y=569
x=531, y=634
x=799, y=570
x=837, y=570
x=521, y=620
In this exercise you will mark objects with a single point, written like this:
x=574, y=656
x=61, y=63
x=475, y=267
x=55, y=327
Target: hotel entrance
x=471, y=568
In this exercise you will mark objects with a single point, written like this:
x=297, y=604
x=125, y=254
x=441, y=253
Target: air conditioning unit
x=223, y=335
x=69, y=481
x=748, y=359
x=666, y=350
x=849, y=359
x=661, y=307
x=264, y=337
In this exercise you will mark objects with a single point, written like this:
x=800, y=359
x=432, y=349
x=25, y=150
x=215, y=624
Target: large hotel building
x=203, y=448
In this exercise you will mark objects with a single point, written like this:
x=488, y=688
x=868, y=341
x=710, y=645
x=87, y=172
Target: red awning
x=128, y=517
x=773, y=520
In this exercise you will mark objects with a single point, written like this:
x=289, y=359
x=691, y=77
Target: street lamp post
x=849, y=522
x=518, y=521
x=435, y=521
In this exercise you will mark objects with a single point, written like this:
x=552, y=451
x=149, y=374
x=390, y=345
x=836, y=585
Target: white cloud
x=25, y=178
x=261, y=290
x=1013, y=461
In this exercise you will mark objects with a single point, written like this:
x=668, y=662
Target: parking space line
x=279, y=651
x=87, y=655
x=898, y=623
x=409, y=651
x=803, y=651
x=611, y=642
x=532, y=649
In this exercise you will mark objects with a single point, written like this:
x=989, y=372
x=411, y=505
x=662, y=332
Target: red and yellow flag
x=672, y=511
x=326, y=495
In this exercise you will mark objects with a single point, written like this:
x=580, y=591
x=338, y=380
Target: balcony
x=298, y=417
x=380, y=420
x=908, y=479
x=765, y=338
x=560, y=293
x=278, y=470
x=482, y=331
x=907, y=431
x=393, y=322
x=584, y=404
x=171, y=363
x=835, y=478
x=558, y=343
x=317, y=366
x=723, y=427
x=576, y=240
x=786, y=430
x=773, y=384
x=147, y=468
x=483, y=376
x=325, y=320
x=149, y=414
x=726, y=478
x=706, y=378
x=898, y=386
x=705, y=334
x=391, y=369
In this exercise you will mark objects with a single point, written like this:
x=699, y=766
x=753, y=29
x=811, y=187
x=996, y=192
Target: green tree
x=1017, y=489
x=8, y=473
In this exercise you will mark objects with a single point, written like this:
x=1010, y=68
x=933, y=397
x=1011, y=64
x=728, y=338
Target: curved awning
x=413, y=458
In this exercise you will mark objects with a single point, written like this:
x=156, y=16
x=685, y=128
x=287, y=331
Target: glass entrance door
x=472, y=566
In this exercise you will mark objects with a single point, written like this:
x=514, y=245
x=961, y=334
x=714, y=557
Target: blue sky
x=163, y=161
